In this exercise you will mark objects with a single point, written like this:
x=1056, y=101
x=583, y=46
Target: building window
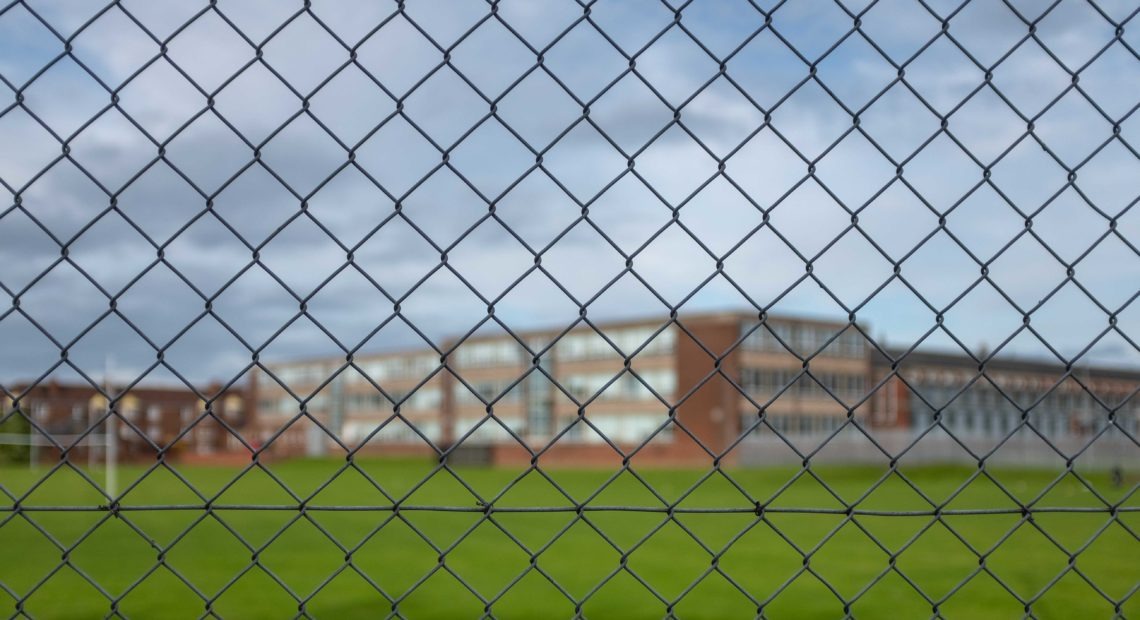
x=40, y=412
x=969, y=424
x=664, y=343
x=318, y=402
x=232, y=406
x=749, y=380
x=78, y=417
x=664, y=381
x=781, y=335
x=424, y=363
x=205, y=437
x=488, y=354
x=373, y=371
x=628, y=341
x=488, y=390
x=539, y=406
x=583, y=346
x=425, y=398
x=851, y=344
x=130, y=409
x=624, y=387
x=305, y=374
x=1053, y=425
x=153, y=417
x=806, y=338
x=288, y=404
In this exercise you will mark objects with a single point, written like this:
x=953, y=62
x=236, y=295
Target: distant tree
x=15, y=424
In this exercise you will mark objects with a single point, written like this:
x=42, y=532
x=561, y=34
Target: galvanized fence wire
x=397, y=508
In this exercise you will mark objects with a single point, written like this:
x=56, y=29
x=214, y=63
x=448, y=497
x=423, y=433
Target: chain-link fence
x=606, y=308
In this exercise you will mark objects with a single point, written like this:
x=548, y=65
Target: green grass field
x=761, y=558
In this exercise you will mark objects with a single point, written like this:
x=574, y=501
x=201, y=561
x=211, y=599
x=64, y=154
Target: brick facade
x=695, y=369
x=150, y=420
x=720, y=375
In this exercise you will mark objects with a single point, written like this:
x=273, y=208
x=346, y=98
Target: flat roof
x=1013, y=363
x=654, y=321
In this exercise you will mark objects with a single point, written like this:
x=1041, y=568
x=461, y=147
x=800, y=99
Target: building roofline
x=26, y=386
x=1023, y=363
x=648, y=320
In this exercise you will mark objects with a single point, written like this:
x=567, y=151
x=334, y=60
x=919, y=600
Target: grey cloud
x=443, y=207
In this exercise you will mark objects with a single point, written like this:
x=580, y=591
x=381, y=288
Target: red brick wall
x=892, y=398
x=709, y=413
x=62, y=398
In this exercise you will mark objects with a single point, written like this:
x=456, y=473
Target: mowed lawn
x=338, y=577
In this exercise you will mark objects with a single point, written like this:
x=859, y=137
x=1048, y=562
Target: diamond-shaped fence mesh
x=580, y=308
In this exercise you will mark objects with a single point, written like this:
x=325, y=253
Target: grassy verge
x=627, y=564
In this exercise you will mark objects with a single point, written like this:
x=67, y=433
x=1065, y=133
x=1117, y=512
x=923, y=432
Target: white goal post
x=109, y=443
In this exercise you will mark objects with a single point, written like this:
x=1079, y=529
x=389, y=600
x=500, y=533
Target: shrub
x=15, y=424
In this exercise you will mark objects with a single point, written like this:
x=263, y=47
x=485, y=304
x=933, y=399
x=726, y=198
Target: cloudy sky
x=163, y=200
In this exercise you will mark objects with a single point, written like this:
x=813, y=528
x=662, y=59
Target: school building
x=667, y=393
